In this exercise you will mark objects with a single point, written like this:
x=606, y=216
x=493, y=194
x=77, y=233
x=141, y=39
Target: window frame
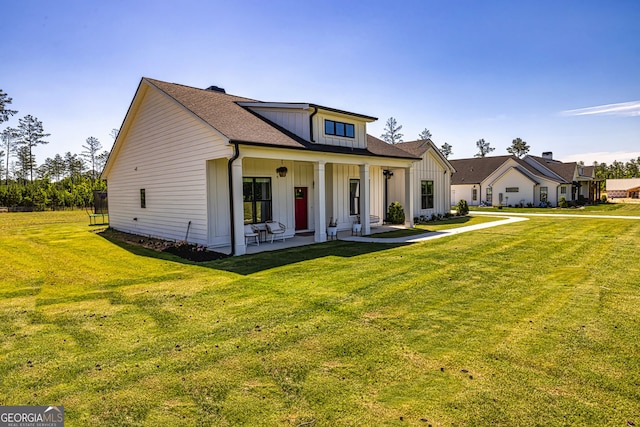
x=354, y=199
x=426, y=194
x=474, y=194
x=266, y=204
x=544, y=199
x=334, y=125
x=143, y=198
x=489, y=195
x=512, y=190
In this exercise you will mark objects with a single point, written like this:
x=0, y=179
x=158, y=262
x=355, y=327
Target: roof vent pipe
x=216, y=89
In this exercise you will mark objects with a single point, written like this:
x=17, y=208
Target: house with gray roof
x=530, y=181
x=200, y=164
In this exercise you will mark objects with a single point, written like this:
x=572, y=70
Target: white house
x=509, y=180
x=198, y=164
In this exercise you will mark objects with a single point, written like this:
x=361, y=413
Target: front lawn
x=445, y=224
x=531, y=323
x=600, y=209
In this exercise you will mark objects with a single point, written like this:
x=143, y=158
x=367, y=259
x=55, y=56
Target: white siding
x=376, y=206
x=526, y=189
x=219, y=219
x=360, y=129
x=165, y=152
x=295, y=121
x=430, y=169
x=465, y=192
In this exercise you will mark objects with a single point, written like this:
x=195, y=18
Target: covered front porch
x=303, y=192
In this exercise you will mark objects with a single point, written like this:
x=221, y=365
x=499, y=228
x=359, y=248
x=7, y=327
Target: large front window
x=256, y=193
x=354, y=197
x=489, y=196
x=426, y=195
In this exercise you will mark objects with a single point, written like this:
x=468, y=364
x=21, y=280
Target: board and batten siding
x=430, y=169
x=337, y=202
x=295, y=121
x=164, y=152
x=360, y=131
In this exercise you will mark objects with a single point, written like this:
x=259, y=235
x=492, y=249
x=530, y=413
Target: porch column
x=365, y=199
x=238, y=208
x=319, y=201
x=408, y=196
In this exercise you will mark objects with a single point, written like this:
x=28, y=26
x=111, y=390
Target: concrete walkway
x=434, y=234
x=577, y=215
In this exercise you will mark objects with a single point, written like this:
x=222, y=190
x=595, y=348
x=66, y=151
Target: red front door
x=301, y=208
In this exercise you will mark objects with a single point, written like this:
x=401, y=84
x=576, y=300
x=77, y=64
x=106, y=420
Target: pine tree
x=484, y=148
x=392, y=133
x=425, y=134
x=30, y=135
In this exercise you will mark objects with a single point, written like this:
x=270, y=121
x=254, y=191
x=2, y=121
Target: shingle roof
x=475, y=170
x=417, y=148
x=563, y=170
x=222, y=112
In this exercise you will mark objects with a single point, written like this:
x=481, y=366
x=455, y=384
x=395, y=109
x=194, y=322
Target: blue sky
x=562, y=75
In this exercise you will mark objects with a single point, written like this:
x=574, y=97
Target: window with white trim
x=354, y=197
x=426, y=194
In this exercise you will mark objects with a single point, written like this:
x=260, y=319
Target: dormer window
x=332, y=127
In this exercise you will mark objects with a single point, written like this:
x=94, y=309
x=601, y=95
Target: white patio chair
x=274, y=227
x=250, y=232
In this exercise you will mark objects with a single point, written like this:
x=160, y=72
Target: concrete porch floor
x=300, y=240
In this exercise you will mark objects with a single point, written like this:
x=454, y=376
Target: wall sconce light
x=282, y=171
x=387, y=173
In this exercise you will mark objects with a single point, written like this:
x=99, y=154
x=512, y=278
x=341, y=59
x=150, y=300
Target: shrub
x=603, y=199
x=562, y=203
x=395, y=215
x=462, y=208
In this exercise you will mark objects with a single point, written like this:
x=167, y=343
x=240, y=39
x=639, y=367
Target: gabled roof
x=476, y=169
x=419, y=147
x=563, y=170
x=519, y=169
x=227, y=115
x=222, y=112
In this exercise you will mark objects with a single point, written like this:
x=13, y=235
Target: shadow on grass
x=249, y=264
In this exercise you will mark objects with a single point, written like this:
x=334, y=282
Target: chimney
x=547, y=155
x=216, y=89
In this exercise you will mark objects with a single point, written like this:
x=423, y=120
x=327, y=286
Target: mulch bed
x=183, y=250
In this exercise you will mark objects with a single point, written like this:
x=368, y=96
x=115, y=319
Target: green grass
x=603, y=209
x=447, y=224
x=531, y=323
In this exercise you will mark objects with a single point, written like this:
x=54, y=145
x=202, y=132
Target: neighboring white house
x=509, y=180
x=200, y=164
x=432, y=175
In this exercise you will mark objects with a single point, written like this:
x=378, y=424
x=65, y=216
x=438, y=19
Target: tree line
x=64, y=181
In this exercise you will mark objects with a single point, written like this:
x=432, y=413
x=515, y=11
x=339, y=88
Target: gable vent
x=216, y=89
